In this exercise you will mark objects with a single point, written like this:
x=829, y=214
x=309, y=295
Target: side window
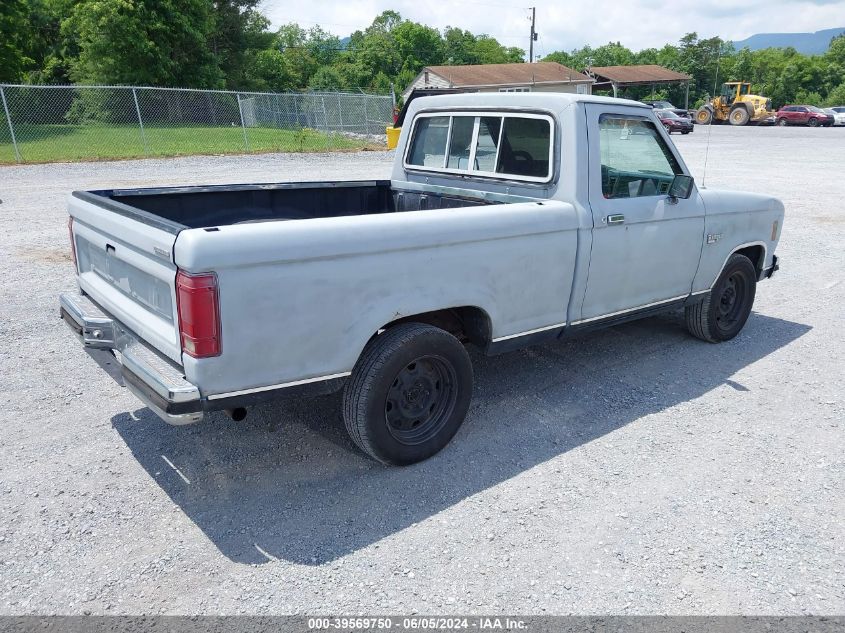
x=429, y=145
x=635, y=160
x=526, y=145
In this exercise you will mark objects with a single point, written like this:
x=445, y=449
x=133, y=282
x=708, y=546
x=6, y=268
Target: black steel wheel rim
x=421, y=399
x=732, y=300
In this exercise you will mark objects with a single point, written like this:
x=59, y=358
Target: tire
x=704, y=116
x=782, y=122
x=739, y=116
x=408, y=394
x=725, y=309
x=813, y=123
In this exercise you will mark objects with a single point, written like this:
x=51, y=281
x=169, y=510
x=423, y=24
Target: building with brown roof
x=619, y=77
x=538, y=77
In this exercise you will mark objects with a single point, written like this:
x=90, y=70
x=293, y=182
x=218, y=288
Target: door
x=646, y=245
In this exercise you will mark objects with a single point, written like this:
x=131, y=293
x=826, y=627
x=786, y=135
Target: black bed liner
x=176, y=208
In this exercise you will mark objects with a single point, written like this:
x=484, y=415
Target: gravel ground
x=634, y=470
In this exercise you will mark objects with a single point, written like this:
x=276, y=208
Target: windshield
x=667, y=114
x=813, y=109
x=838, y=109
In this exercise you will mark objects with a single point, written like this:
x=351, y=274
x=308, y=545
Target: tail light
x=198, y=307
x=72, y=241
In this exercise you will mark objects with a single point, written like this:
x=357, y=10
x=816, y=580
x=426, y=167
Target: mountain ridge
x=807, y=43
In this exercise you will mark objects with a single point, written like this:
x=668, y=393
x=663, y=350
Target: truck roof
x=554, y=101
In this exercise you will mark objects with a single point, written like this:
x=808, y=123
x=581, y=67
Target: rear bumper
x=153, y=379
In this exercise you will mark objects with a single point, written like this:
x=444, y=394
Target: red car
x=803, y=115
x=674, y=123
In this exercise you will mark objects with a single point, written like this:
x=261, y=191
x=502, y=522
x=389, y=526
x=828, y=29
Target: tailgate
x=126, y=266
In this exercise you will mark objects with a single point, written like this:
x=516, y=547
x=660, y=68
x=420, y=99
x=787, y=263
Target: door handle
x=617, y=218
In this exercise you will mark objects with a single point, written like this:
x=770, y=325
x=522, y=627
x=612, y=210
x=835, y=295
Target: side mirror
x=681, y=187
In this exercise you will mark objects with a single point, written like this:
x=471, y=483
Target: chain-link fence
x=65, y=123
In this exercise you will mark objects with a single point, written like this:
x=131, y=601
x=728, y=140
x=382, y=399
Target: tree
x=13, y=34
x=238, y=31
x=462, y=47
x=152, y=42
x=326, y=79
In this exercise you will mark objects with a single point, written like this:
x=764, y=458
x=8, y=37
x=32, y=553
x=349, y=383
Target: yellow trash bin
x=392, y=136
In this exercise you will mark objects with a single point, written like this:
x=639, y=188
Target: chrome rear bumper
x=154, y=380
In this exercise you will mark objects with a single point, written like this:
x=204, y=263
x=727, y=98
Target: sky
x=563, y=25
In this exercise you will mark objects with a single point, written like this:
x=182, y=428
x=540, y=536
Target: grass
x=59, y=143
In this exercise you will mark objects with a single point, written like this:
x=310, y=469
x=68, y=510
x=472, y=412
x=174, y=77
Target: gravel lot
x=635, y=470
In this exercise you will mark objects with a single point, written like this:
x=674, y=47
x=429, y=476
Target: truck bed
x=221, y=205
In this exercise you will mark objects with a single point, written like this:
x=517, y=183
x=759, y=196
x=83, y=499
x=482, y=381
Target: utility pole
x=533, y=36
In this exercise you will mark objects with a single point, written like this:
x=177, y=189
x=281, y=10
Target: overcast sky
x=564, y=25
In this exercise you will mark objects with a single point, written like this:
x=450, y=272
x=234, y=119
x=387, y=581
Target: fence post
x=141, y=123
x=366, y=116
x=243, y=127
x=325, y=120
x=11, y=127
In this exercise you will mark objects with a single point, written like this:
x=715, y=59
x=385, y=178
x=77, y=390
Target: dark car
x=803, y=115
x=665, y=105
x=674, y=123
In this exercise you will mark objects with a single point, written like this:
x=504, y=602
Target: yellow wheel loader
x=736, y=105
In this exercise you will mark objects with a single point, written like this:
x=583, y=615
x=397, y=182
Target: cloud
x=564, y=26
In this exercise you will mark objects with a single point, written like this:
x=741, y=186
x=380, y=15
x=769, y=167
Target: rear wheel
x=408, y=394
x=739, y=116
x=725, y=309
x=704, y=116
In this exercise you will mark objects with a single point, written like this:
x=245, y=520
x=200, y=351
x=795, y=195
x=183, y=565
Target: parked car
x=219, y=297
x=838, y=114
x=674, y=123
x=803, y=115
x=666, y=105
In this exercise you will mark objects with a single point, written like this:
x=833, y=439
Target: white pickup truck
x=509, y=220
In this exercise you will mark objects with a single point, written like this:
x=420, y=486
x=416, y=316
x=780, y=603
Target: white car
x=838, y=114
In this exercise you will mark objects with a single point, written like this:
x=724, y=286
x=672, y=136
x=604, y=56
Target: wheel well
x=467, y=323
x=756, y=254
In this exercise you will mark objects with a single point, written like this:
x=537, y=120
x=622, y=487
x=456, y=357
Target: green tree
x=238, y=31
x=327, y=79
x=153, y=42
x=14, y=30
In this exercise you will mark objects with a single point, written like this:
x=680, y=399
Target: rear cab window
x=510, y=146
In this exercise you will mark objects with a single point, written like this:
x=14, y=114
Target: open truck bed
x=177, y=208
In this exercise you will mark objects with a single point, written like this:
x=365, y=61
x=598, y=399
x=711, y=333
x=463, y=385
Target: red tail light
x=72, y=241
x=199, y=314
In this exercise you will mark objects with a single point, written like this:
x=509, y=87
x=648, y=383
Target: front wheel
x=408, y=394
x=739, y=116
x=782, y=122
x=725, y=309
x=813, y=123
